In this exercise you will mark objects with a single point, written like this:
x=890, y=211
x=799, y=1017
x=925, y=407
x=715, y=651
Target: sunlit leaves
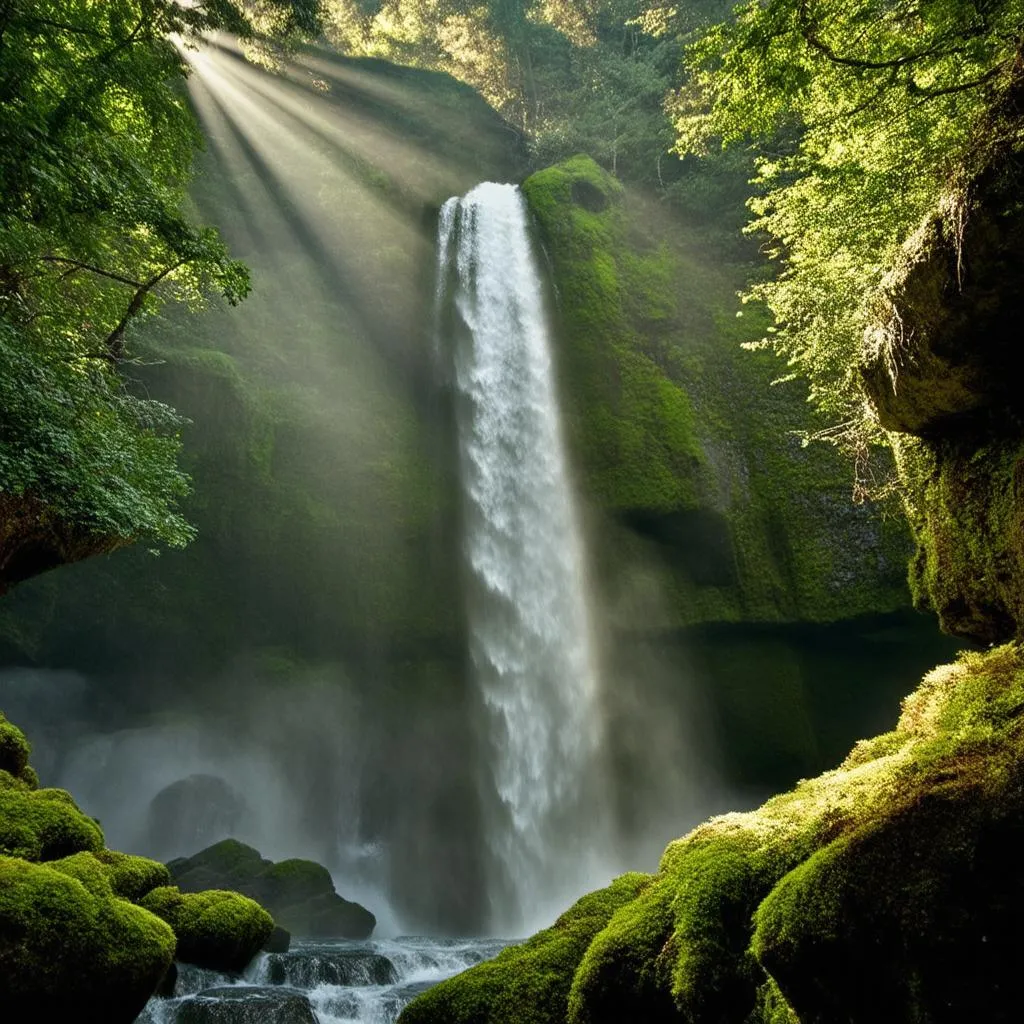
x=96, y=145
x=860, y=110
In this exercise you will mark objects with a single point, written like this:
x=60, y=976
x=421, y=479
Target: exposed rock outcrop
x=941, y=370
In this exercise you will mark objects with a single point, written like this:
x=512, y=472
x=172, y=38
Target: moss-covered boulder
x=71, y=951
x=887, y=889
x=44, y=824
x=527, y=984
x=219, y=930
x=299, y=893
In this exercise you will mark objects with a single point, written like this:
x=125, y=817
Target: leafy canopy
x=96, y=144
x=859, y=111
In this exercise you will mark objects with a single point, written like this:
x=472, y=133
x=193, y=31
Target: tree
x=859, y=111
x=96, y=144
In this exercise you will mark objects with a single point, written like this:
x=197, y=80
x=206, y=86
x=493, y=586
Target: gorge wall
x=318, y=621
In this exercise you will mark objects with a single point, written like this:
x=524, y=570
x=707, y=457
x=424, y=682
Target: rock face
x=886, y=890
x=299, y=893
x=192, y=813
x=940, y=368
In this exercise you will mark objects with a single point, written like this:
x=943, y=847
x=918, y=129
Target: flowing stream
x=530, y=632
x=320, y=983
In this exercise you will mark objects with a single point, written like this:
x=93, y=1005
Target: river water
x=336, y=982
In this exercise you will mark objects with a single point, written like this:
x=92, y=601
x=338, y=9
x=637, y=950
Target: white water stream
x=530, y=630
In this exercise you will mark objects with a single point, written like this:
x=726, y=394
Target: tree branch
x=929, y=93
x=115, y=340
x=79, y=265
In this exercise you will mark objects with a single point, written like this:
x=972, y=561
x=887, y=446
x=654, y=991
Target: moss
x=215, y=929
x=633, y=425
x=44, y=824
x=886, y=889
x=132, y=877
x=667, y=416
x=87, y=869
x=968, y=517
x=527, y=984
x=67, y=952
x=14, y=748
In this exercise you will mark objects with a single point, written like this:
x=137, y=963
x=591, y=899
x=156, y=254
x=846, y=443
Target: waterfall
x=529, y=627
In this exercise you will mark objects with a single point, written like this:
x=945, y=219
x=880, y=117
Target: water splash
x=529, y=622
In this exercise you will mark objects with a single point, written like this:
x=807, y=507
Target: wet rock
x=246, y=1004
x=309, y=968
x=279, y=941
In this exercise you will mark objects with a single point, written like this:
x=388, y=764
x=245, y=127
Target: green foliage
x=215, y=929
x=527, y=984
x=96, y=144
x=858, y=111
x=44, y=824
x=69, y=950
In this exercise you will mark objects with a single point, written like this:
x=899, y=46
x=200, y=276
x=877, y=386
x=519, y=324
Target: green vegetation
x=96, y=145
x=44, y=824
x=861, y=112
x=528, y=984
x=890, y=868
x=679, y=437
x=219, y=930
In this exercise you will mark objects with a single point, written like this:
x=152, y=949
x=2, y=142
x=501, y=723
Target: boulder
x=279, y=941
x=218, y=930
x=246, y=1004
x=191, y=813
x=69, y=950
x=299, y=893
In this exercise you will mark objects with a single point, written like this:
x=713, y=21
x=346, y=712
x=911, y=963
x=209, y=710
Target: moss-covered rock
x=14, y=748
x=132, y=877
x=299, y=893
x=44, y=824
x=527, y=984
x=219, y=930
x=887, y=889
x=940, y=366
x=71, y=951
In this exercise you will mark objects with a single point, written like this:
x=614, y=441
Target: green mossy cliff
x=941, y=368
x=686, y=455
x=886, y=889
x=88, y=933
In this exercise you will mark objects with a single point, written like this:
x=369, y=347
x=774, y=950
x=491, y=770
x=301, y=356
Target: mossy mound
x=886, y=889
x=219, y=930
x=14, y=748
x=44, y=824
x=299, y=893
x=69, y=951
x=527, y=984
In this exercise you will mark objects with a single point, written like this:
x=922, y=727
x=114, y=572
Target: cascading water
x=530, y=632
